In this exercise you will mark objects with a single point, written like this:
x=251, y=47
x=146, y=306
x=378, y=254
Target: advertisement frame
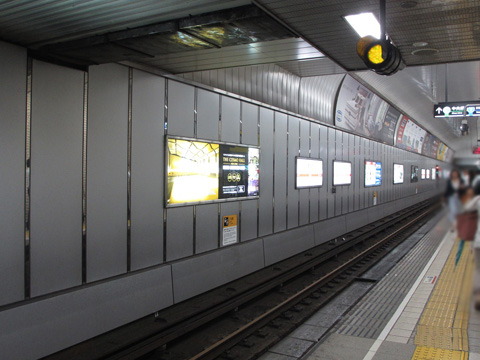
x=333, y=172
x=365, y=172
x=204, y=202
x=403, y=179
x=296, y=171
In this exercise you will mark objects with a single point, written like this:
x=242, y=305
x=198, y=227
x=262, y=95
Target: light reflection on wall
x=192, y=171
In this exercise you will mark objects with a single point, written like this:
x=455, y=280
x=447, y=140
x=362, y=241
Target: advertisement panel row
x=361, y=111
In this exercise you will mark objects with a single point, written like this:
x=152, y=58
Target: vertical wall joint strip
x=28, y=128
x=84, y=178
x=129, y=170
x=273, y=172
x=165, y=131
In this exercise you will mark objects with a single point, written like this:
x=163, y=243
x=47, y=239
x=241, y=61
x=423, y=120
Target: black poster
x=389, y=124
x=233, y=171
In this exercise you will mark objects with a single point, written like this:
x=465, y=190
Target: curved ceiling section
x=271, y=84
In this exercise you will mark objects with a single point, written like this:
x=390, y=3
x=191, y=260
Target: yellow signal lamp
x=380, y=55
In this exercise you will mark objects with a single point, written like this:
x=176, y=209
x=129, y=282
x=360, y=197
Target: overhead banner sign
x=410, y=136
x=456, y=109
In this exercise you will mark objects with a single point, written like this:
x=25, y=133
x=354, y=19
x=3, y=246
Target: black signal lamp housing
x=381, y=56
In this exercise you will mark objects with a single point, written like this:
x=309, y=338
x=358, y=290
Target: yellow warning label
x=229, y=221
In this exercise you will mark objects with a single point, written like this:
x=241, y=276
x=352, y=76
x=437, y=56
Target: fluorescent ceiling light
x=364, y=24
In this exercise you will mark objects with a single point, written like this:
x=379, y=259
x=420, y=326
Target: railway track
x=243, y=319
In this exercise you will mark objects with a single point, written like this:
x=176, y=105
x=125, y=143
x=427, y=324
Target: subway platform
x=414, y=304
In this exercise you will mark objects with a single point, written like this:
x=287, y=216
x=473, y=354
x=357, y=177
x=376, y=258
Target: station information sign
x=456, y=109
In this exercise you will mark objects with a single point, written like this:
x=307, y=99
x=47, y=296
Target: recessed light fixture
x=420, y=44
x=408, y=4
x=425, y=52
x=364, y=24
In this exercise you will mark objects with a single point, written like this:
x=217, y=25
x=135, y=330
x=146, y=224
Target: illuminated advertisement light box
x=200, y=171
x=373, y=173
x=309, y=173
x=342, y=173
x=423, y=174
x=414, y=174
x=427, y=173
x=397, y=173
x=434, y=174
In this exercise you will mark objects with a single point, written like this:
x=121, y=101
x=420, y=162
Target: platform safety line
x=383, y=335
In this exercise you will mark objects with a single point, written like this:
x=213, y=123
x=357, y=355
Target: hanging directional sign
x=457, y=109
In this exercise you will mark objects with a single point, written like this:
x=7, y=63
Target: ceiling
x=305, y=37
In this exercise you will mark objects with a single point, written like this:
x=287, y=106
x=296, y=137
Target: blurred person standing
x=454, y=184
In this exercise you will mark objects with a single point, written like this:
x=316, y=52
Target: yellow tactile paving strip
x=442, y=329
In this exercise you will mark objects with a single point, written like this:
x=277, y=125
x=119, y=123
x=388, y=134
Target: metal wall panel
x=208, y=114
x=270, y=84
x=56, y=146
x=46, y=325
x=317, y=96
x=107, y=171
x=230, y=208
x=249, y=124
x=180, y=111
x=341, y=190
x=266, y=169
x=280, y=171
x=179, y=233
x=217, y=268
x=346, y=189
x=249, y=220
x=206, y=227
x=293, y=150
x=324, y=191
x=147, y=170
x=314, y=152
x=330, y=157
x=230, y=120
x=351, y=158
x=278, y=247
x=13, y=72
x=356, y=169
x=329, y=229
x=304, y=194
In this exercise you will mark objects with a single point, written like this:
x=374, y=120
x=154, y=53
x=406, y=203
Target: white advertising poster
x=422, y=175
x=309, y=173
x=342, y=173
x=434, y=174
x=398, y=173
x=427, y=174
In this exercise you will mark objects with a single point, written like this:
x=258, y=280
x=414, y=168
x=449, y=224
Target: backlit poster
x=309, y=173
x=199, y=171
x=397, y=173
x=410, y=136
x=434, y=173
x=414, y=174
x=427, y=173
x=423, y=174
x=233, y=171
x=192, y=171
x=342, y=173
x=360, y=110
x=373, y=173
x=387, y=134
